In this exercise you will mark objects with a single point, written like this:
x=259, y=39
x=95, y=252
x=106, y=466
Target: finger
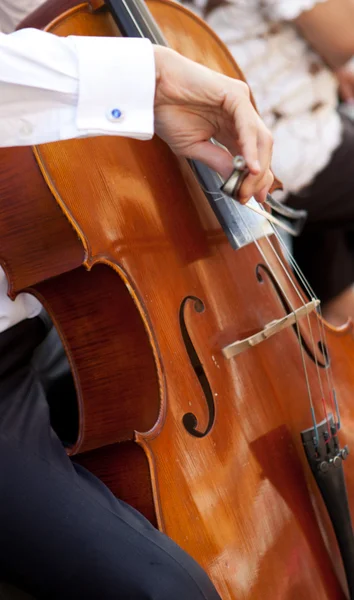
x=262, y=195
x=238, y=129
x=346, y=91
x=254, y=185
x=251, y=139
x=248, y=143
x=258, y=188
x=218, y=159
x=265, y=154
x=265, y=149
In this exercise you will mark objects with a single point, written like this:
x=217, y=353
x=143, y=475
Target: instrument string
x=293, y=310
x=314, y=349
x=219, y=196
x=320, y=326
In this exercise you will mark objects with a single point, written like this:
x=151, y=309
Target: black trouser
x=325, y=250
x=62, y=533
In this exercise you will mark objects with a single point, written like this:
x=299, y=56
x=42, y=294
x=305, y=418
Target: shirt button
x=114, y=115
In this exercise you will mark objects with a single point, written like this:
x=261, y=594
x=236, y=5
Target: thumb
x=215, y=157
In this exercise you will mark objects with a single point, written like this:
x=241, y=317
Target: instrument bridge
x=269, y=330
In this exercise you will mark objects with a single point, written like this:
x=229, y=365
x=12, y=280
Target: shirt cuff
x=116, y=86
x=288, y=10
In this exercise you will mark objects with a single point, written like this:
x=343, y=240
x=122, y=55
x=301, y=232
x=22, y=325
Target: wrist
x=164, y=58
x=158, y=53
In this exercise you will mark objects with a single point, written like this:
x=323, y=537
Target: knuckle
x=244, y=88
x=270, y=177
x=261, y=183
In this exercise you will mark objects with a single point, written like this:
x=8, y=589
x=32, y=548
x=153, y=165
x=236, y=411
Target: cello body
x=116, y=239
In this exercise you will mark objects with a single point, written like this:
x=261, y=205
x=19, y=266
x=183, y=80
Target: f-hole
x=322, y=348
x=189, y=420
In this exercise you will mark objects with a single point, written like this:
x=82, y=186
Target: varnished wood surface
x=47, y=244
x=110, y=355
x=241, y=499
x=124, y=469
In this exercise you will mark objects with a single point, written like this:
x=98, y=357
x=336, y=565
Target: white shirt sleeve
x=54, y=88
x=287, y=10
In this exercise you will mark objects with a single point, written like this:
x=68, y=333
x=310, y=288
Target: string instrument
x=204, y=375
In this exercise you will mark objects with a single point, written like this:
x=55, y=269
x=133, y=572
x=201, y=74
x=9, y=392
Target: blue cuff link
x=115, y=114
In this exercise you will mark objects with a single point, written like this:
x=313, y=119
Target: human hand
x=194, y=104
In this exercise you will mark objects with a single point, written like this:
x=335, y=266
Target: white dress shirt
x=54, y=88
